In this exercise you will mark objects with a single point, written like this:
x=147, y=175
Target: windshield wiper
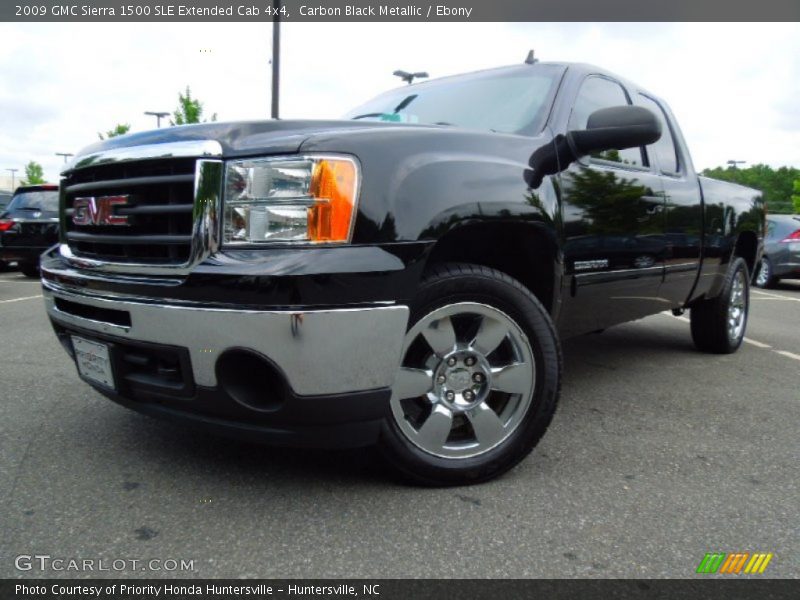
x=364, y=116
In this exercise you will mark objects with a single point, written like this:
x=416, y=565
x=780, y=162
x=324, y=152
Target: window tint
x=664, y=148
x=596, y=93
x=35, y=200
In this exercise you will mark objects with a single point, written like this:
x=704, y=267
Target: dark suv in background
x=5, y=198
x=781, y=259
x=28, y=226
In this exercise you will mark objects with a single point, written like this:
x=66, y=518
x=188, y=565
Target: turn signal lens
x=333, y=187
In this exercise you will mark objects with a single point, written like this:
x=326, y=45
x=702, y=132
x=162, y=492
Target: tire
x=765, y=277
x=29, y=270
x=718, y=324
x=479, y=379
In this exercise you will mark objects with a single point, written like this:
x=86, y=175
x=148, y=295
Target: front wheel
x=479, y=378
x=718, y=324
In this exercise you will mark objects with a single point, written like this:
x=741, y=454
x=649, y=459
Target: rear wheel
x=478, y=382
x=765, y=277
x=29, y=270
x=718, y=324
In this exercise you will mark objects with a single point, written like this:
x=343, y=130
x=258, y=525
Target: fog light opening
x=251, y=380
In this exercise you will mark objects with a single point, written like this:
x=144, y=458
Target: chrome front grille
x=166, y=195
x=160, y=202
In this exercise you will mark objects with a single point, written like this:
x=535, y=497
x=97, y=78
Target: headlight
x=304, y=199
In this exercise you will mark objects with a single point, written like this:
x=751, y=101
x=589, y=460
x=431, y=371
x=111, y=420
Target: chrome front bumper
x=320, y=352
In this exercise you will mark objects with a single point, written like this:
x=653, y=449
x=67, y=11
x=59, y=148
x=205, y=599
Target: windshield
x=506, y=101
x=46, y=200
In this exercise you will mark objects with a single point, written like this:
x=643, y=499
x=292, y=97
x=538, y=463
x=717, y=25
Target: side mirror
x=617, y=128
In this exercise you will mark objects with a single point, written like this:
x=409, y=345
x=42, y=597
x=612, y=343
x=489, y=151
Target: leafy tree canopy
x=120, y=129
x=190, y=110
x=777, y=185
x=33, y=174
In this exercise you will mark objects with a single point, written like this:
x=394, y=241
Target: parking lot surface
x=657, y=455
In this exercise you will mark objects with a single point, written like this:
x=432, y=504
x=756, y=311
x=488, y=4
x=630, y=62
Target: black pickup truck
x=401, y=277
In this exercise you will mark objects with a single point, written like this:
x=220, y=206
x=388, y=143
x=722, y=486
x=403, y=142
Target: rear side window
x=781, y=228
x=664, y=149
x=598, y=92
x=46, y=200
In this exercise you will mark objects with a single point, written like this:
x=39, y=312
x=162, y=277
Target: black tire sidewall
x=765, y=261
x=709, y=319
x=467, y=283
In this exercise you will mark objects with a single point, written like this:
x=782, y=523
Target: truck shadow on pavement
x=631, y=351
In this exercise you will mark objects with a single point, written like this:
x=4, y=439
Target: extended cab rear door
x=613, y=224
x=683, y=209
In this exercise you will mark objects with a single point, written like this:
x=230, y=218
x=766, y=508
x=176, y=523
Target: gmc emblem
x=99, y=211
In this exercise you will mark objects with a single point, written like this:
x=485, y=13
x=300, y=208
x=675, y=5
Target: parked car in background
x=781, y=259
x=5, y=198
x=29, y=226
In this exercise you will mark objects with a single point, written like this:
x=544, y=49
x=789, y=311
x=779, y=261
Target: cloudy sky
x=733, y=87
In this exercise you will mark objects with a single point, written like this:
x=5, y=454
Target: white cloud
x=733, y=87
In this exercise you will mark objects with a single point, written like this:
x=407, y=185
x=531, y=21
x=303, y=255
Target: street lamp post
x=12, y=177
x=276, y=57
x=157, y=115
x=66, y=155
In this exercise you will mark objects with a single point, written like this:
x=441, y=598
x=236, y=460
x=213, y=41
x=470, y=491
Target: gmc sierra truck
x=401, y=277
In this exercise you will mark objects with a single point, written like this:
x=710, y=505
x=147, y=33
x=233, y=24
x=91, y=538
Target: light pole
x=12, y=177
x=733, y=163
x=66, y=155
x=409, y=77
x=157, y=115
x=276, y=57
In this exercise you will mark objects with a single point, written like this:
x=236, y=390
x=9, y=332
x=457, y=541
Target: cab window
x=599, y=92
x=664, y=149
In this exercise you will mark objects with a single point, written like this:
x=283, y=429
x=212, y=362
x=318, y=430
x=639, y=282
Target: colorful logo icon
x=734, y=563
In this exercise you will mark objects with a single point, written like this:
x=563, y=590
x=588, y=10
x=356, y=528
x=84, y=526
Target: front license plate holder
x=94, y=362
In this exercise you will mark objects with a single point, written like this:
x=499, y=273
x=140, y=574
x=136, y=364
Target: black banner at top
x=397, y=10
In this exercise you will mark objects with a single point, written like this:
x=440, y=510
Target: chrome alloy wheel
x=763, y=273
x=466, y=380
x=737, y=307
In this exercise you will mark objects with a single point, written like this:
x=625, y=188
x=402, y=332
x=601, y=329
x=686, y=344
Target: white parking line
x=757, y=344
x=747, y=340
x=774, y=296
x=19, y=281
x=20, y=299
x=788, y=354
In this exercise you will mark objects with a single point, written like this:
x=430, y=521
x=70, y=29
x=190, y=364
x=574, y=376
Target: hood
x=242, y=138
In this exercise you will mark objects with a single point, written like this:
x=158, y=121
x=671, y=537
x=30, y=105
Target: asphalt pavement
x=657, y=455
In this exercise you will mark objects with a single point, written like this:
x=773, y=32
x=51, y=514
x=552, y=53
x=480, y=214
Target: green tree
x=190, y=110
x=33, y=174
x=796, y=196
x=776, y=184
x=120, y=129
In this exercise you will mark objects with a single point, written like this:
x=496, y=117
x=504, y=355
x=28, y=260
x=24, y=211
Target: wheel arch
x=747, y=247
x=528, y=252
